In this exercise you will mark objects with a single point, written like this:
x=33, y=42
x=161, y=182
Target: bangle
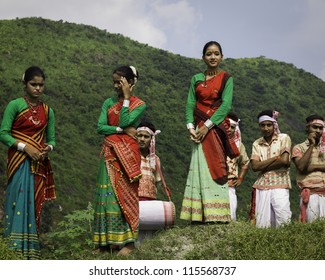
x=21, y=146
x=209, y=124
x=51, y=147
x=126, y=103
x=190, y=125
x=119, y=130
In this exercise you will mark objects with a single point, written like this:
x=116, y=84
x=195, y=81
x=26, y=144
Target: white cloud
x=295, y=33
x=128, y=17
x=163, y=24
x=179, y=16
x=179, y=20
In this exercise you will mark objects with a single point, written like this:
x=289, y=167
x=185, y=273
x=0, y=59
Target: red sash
x=122, y=154
x=305, y=196
x=218, y=143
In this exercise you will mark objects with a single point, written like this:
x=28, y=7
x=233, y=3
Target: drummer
x=150, y=162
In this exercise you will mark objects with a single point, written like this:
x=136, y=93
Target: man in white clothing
x=271, y=157
x=309, y=158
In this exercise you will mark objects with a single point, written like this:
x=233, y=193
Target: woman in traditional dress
x=206, y=197
x=28, y=130
x=116, y=217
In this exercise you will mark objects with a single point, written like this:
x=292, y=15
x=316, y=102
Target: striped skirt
x=20, y=221
x=110, y=225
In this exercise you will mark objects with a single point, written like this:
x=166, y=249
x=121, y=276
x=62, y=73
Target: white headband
x=322, y=139
x=265, y=118
x=233, y=122
x=316, y=121
x=237, y=133
x=144, y=128
x=152, y=147
x=274, y=120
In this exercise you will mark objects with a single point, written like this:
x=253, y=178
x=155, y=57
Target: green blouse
x=225, y=107
x=127, y=118
x=13, y=108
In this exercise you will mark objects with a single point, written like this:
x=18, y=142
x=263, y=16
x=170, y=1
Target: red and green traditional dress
x=116, y=217
x=206, y=197
x=30, y=183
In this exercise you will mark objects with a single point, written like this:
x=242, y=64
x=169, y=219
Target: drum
x=156, y=214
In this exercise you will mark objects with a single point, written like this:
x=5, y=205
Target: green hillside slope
x=78, y=61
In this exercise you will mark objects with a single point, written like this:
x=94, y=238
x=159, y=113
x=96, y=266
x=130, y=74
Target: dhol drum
x=156, y=214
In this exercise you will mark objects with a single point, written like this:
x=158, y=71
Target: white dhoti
x=272, y=208
x=315, y=208
x=233, y=202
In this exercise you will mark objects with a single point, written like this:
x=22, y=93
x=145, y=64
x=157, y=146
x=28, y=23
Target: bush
x=6, y=253
x=72, y=237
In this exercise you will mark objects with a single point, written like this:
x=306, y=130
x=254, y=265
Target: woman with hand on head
x=206, y=197
x=116, y=217
x=28, y=130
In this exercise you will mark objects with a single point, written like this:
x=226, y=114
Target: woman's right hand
x=193, y=135
x=131, y=131
x=33, y=153
x=126, y=88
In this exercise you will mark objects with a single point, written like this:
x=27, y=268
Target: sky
x=292, y=31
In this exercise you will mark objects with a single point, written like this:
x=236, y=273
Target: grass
x=71, y=240
x=234, y=241
x=237, y=241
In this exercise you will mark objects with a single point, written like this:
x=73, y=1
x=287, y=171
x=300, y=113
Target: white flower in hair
x=135, y=73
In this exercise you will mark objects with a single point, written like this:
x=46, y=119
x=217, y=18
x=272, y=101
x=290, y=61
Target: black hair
x=208, y=44
x=233, y=116
x=266, y=113
x=31, y=72
x=147, y=124
x=314, y=117
x=127, y=72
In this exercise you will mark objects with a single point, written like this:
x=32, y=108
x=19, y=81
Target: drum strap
x=167, y=190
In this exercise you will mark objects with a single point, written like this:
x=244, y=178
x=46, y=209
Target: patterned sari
x=116, y=217
x=206, y=197
x=30, y=184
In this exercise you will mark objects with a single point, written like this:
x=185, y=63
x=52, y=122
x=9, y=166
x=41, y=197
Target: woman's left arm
x=50, y=130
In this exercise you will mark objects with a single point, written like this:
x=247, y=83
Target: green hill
x=78, y=61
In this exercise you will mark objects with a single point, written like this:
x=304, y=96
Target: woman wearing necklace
x=116, y=217
x=28, y=130
x=206, y=197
